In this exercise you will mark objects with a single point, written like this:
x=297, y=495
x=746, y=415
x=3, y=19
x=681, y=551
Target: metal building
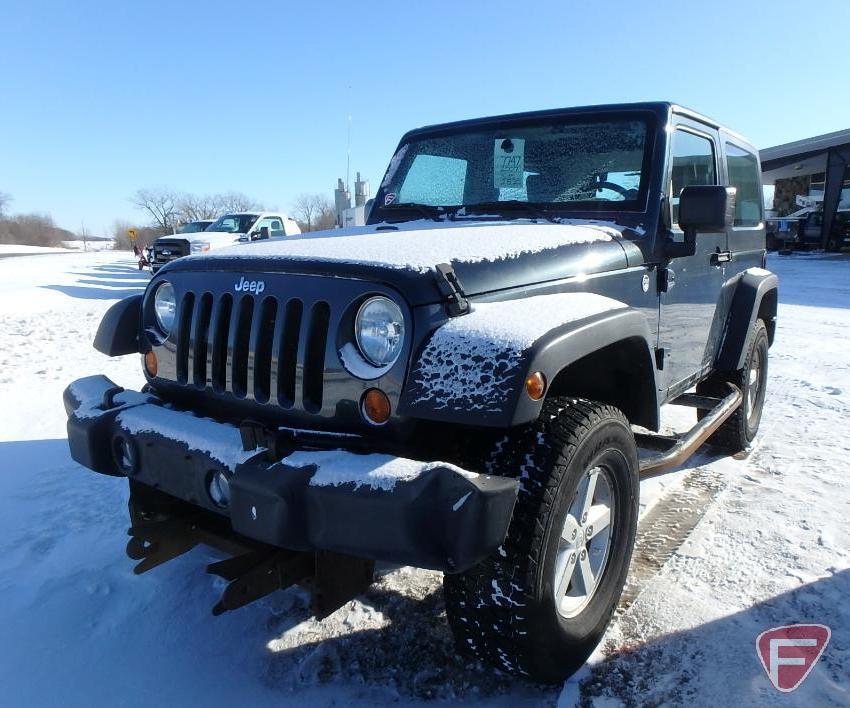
x=814, y=170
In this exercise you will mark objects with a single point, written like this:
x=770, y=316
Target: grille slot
x=199, y=340
x=314, y=358
x=288, y=357
x=240, y=336
x=219, y=336
x=262, y=339
x=184, y=329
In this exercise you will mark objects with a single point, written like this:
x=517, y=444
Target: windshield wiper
x=534, y=210
x=426, y=210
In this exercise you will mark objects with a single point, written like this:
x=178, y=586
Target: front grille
x=167, y=251
x=250, y=347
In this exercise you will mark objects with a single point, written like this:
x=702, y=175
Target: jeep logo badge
x=250, y=286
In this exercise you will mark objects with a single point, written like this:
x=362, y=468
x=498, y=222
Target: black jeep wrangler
x=460, y=385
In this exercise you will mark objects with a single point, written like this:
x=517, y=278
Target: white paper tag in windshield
x=508, y=162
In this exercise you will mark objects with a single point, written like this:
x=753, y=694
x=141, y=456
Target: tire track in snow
x=666, y=526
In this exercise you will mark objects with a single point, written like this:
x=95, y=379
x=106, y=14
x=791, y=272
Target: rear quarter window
x=744, y=176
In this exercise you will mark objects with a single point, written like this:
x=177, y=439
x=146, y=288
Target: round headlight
x=165, y=307
x=379, y=328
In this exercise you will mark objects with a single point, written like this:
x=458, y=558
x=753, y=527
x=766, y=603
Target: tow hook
x=257, y=436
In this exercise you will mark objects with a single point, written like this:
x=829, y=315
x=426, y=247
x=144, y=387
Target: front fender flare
x=118, y=333
x=472, y=370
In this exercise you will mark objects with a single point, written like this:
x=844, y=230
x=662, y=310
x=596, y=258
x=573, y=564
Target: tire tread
x=476, y=599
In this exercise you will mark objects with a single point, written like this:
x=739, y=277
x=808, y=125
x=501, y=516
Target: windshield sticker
x=508, y=162
x=389, y=198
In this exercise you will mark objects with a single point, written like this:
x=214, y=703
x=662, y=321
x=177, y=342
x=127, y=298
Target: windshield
x=561, y=163
x=233, y=223
x=193, y=227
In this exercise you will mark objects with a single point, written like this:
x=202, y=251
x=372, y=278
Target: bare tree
x=5, y=200
x=313, y=212
x=167, y=208
x=192, y=207
x=231, y=202
x=327, y=216
x=160, y=203
x=34, y=230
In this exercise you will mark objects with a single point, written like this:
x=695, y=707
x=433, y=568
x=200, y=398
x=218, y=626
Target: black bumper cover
x=440, y=519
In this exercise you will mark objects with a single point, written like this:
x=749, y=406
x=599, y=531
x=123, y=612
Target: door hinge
x=451, y=289
x=659, y=358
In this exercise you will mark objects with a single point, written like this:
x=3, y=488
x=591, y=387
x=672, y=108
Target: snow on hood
x=420, y=245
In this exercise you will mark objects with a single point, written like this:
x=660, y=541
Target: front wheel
x=540, y=605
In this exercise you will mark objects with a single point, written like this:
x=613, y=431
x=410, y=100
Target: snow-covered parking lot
x=766, y=542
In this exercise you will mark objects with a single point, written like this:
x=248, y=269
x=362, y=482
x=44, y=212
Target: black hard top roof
x=662, y=109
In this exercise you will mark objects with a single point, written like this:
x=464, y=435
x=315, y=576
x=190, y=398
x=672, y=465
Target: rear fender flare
x=756, y=295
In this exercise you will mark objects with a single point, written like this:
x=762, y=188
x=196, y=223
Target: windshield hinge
x=451, y=289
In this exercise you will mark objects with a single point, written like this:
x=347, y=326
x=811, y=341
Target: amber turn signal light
x=151, y=365
x=535, y=386
x=376, y=406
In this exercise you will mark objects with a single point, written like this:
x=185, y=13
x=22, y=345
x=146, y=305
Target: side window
x=275, y=227
x=693, y=163
x=744, y=176
x=433, y=179
x=267, y=222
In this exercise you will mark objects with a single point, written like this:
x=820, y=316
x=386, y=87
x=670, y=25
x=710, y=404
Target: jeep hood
x=486, y=256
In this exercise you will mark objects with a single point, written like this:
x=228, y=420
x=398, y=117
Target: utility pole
x=348, y=147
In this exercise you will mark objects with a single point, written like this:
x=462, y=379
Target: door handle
x=721, y=257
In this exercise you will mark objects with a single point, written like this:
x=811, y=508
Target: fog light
x=376, y=406
x=151, y=364
x=220, y=489
x=124, y=454
x=535, y=386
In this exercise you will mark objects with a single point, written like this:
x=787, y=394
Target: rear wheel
x=539, y=606
x=740, y=429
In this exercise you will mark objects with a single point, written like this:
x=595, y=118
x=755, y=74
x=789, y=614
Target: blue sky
x=99, y=99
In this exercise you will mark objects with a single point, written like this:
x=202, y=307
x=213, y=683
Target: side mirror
x=264, y=232
x=367, y=209
x=705, y=208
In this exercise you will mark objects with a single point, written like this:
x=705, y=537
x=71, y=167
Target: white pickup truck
x=227, y=230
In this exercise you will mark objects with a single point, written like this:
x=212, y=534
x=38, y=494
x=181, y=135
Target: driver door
x=691, y=323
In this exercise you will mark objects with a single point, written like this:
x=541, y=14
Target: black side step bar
x=675, y=450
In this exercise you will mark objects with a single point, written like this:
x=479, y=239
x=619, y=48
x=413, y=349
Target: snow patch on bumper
x=221, y=441
x=379, y=472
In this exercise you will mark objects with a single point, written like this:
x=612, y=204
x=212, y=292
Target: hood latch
x=451, y=289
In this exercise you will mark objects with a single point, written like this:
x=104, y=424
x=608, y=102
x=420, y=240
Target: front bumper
x=429, y=515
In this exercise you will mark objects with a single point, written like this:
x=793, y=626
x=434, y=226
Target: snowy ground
x=8, y=250
x=768, y=547
x=12, y=249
